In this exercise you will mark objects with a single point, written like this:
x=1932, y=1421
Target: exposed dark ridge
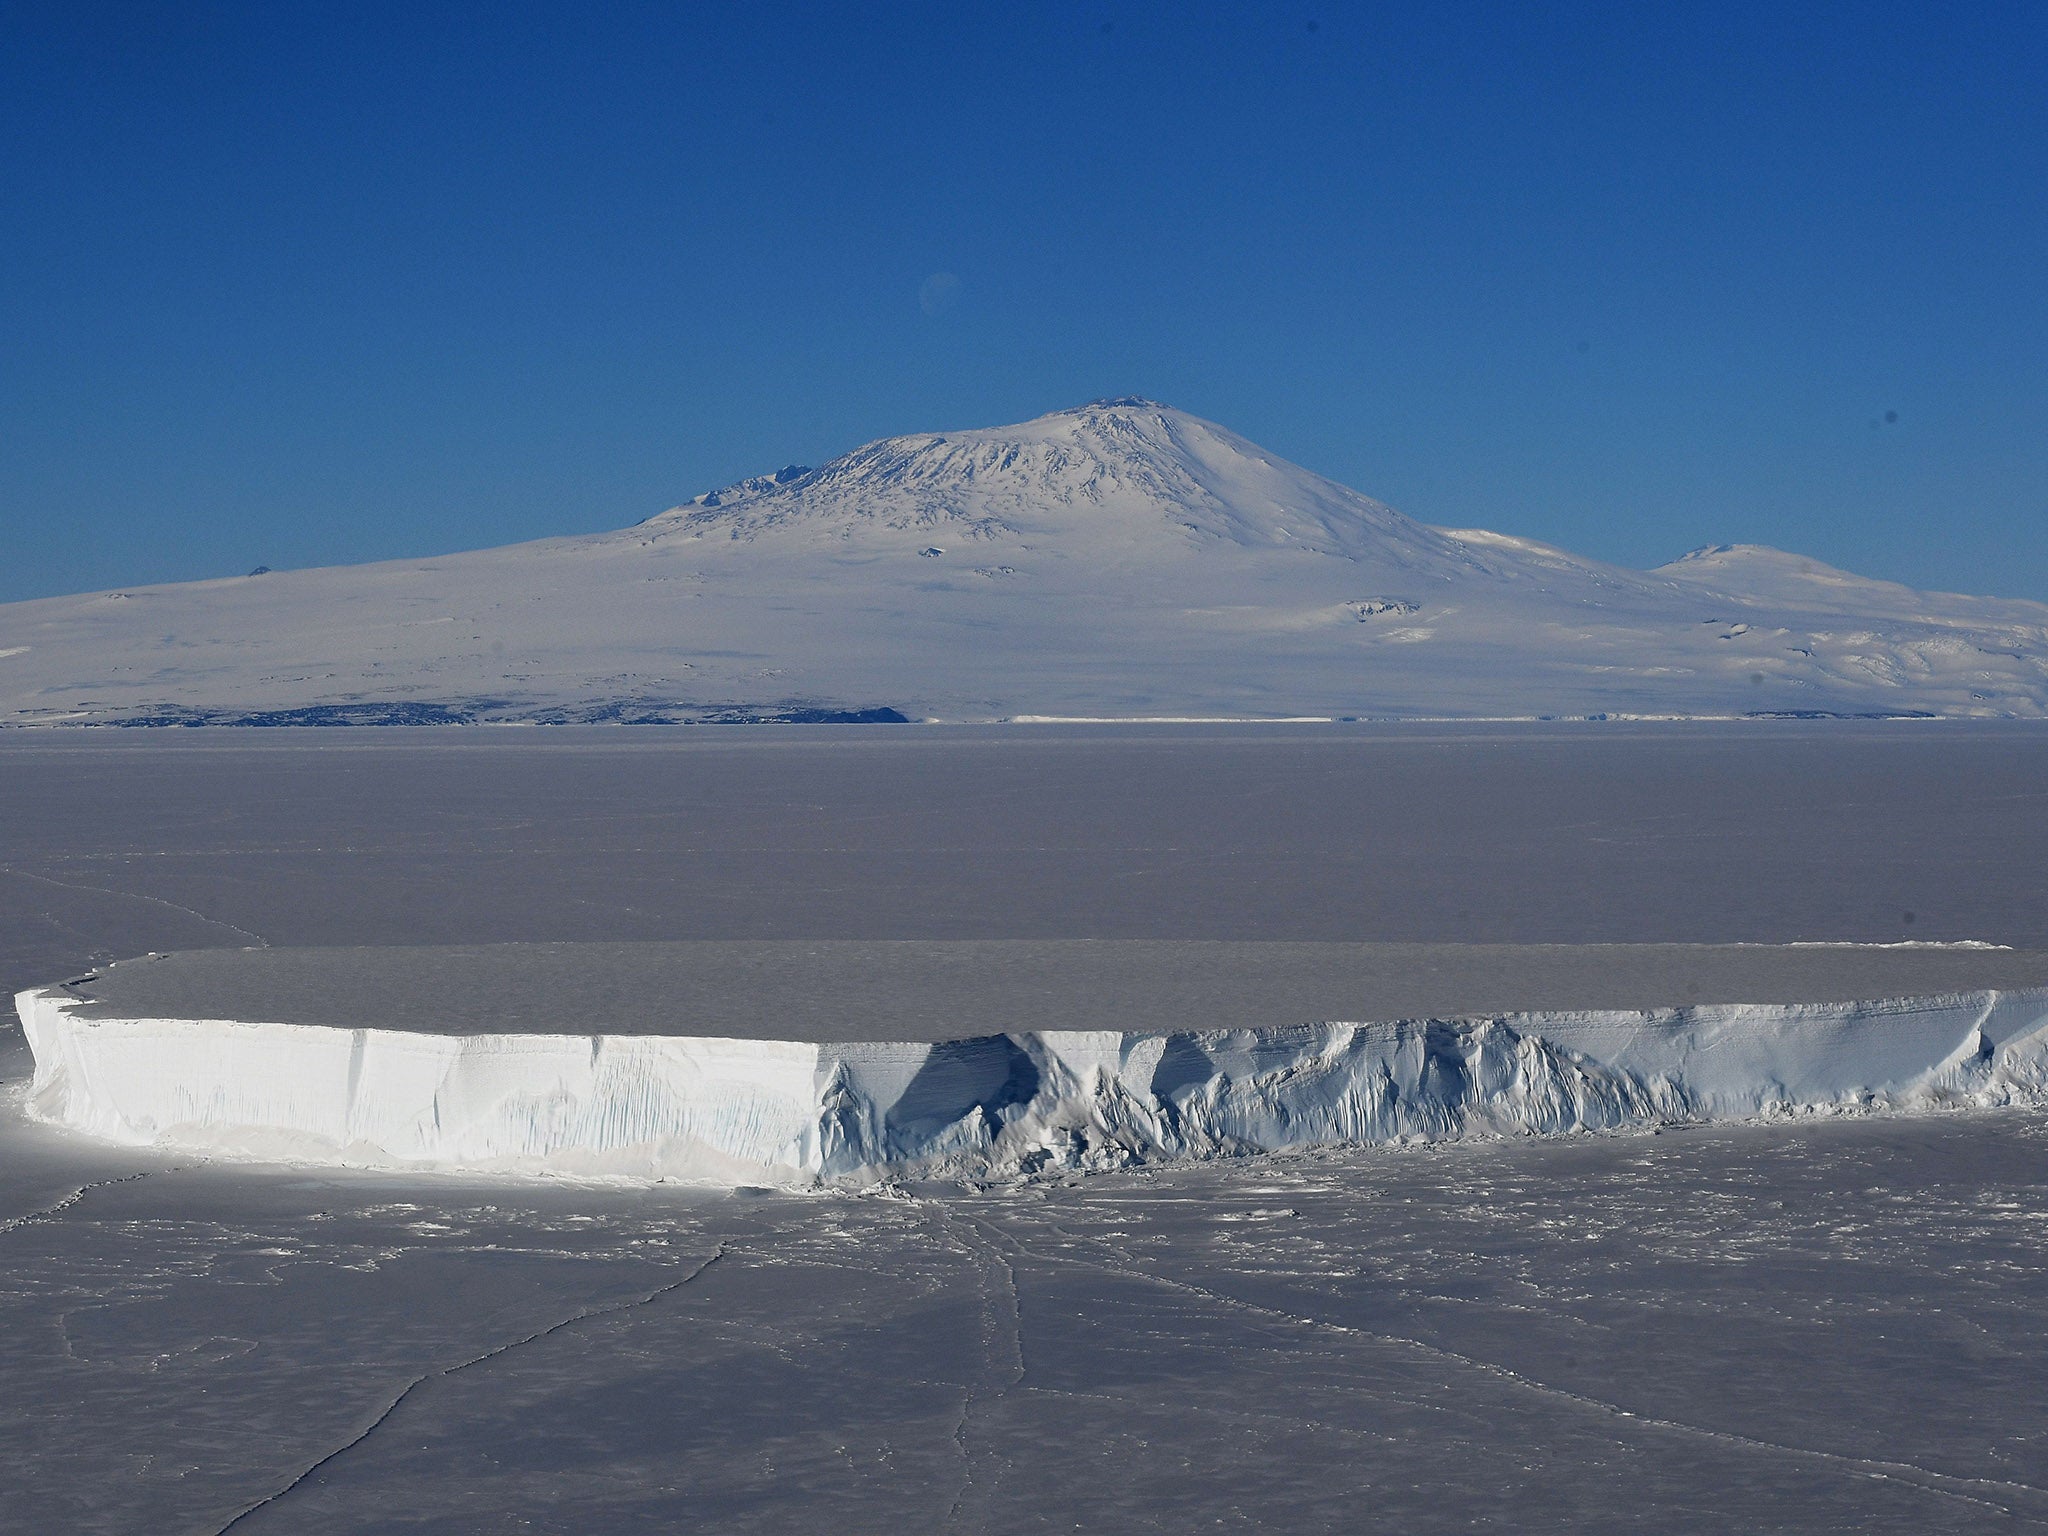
x=314, y=714
x=1841, y=714
x=506, y=711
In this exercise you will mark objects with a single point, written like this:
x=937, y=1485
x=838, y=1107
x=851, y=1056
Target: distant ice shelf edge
x=730, y=1112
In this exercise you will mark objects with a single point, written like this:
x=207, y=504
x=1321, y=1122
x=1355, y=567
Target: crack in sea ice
x=47, y=1212
x=384, y=1415
x=1925, y=1479
x=1004, y=1317
x=157, y=901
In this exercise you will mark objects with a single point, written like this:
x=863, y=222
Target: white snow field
x=797, y=1063
x=1120, y=560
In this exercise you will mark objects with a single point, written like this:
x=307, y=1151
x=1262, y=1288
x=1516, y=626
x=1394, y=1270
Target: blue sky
x=307, y=284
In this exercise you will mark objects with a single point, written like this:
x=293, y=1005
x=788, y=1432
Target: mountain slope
x=1124, y=464
x=1119, y=559
x=1762, y=574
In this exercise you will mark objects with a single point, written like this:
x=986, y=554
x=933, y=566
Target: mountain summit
x=1128, y=464
x=1121, y=559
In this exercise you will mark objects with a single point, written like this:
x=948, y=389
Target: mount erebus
x=1118, y=560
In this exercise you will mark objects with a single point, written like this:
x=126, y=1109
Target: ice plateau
x=1119, y=560
x=796, y=1112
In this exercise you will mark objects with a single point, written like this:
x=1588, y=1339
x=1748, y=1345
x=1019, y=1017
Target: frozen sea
x=1829, y=1325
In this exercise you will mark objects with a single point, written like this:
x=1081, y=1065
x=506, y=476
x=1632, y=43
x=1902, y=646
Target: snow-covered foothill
x=804, y=1112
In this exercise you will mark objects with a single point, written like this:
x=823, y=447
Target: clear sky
x=303, y=284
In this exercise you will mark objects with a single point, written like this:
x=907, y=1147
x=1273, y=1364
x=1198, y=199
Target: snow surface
x=1831, y=1325
x=741, y=1111
x=1115, y=561
x=832, y=992
x=1827, y=1323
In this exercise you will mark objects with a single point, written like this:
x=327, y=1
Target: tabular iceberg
x=732, y=1111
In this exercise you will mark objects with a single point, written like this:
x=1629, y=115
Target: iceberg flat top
x=935, y=990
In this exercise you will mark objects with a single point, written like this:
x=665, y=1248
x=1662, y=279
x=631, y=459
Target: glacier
x=737, y=1112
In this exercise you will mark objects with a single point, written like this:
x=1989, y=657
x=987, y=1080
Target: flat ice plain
x=1825, y=1325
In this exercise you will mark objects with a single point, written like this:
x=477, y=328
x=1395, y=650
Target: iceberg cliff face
x=737, y=1111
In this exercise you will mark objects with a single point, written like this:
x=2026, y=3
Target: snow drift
x=735, y=1111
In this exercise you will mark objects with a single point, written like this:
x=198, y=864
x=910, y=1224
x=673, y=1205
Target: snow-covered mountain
x=1122, y=559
